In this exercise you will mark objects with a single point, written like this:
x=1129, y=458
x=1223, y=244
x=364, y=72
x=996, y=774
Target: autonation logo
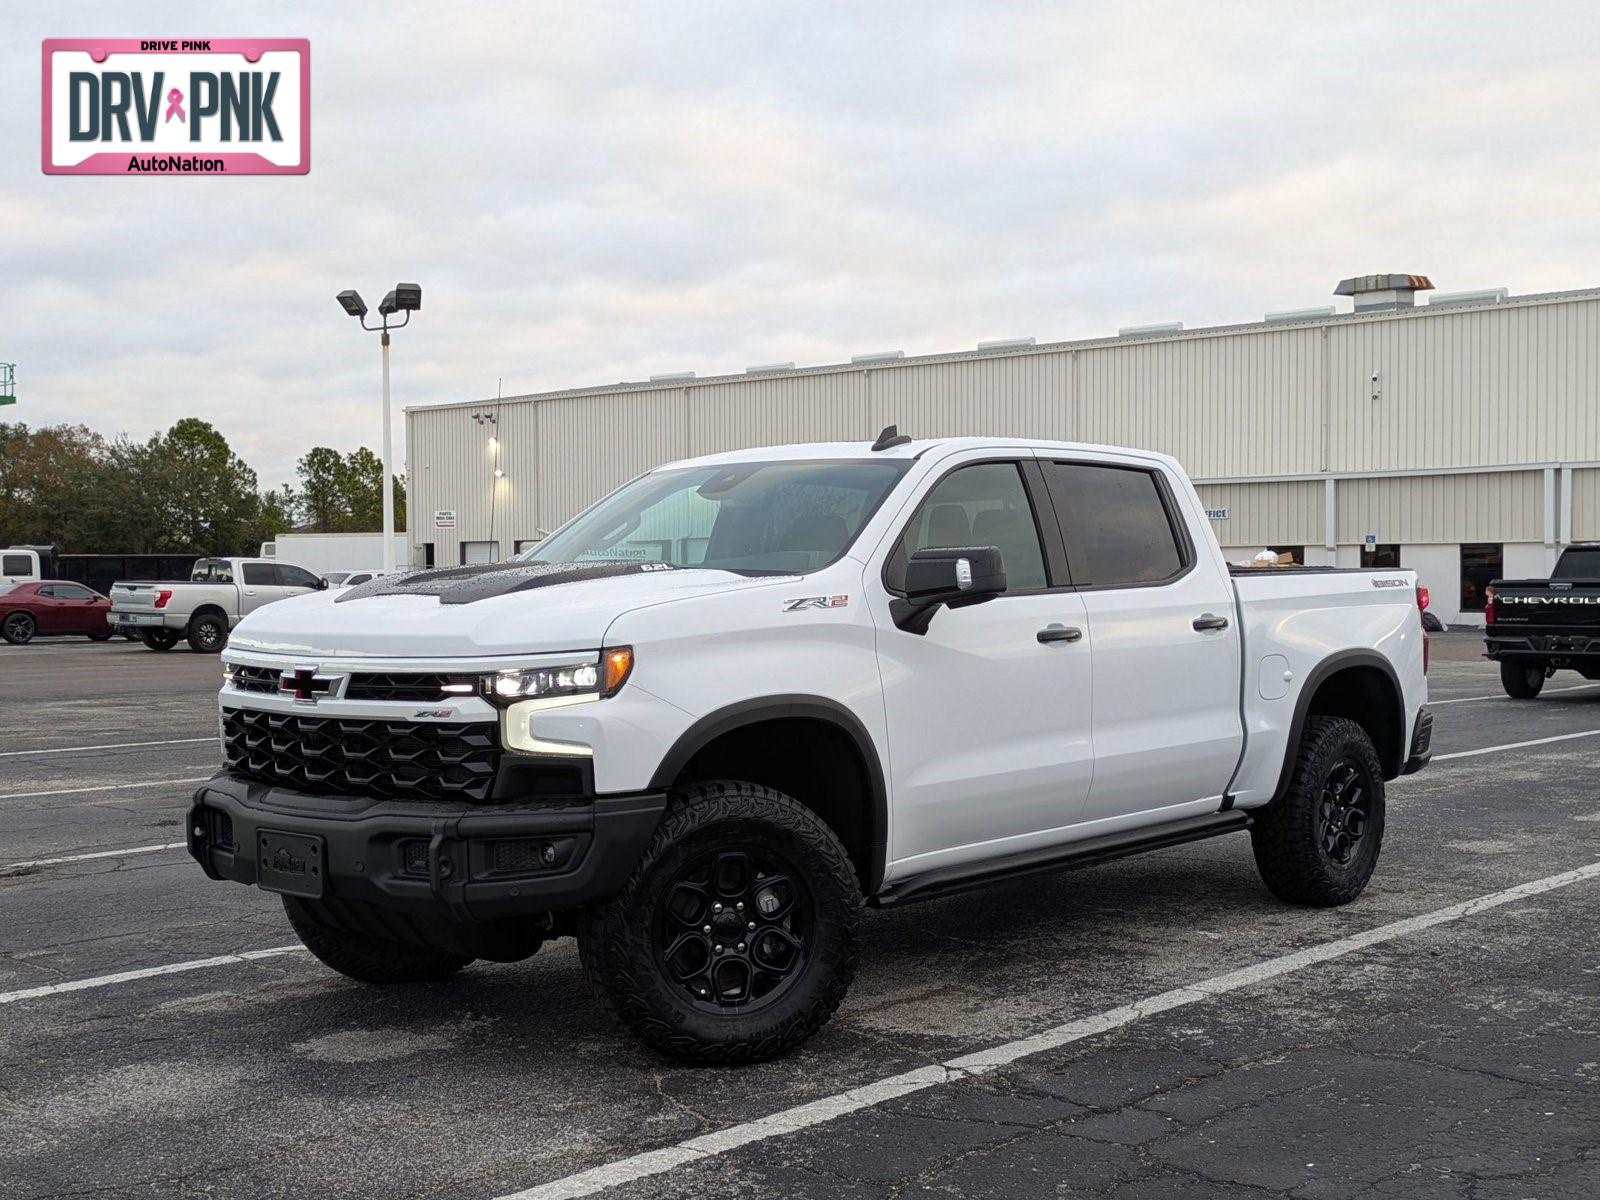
x=208, y=106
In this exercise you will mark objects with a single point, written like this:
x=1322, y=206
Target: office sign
x=1216, y=514
x=176, y=106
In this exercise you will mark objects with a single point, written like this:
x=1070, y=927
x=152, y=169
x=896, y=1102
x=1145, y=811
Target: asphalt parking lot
x=1157, y=1027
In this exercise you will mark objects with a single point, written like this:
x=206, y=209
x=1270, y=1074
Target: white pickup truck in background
x=707, y=720
x=203, y=608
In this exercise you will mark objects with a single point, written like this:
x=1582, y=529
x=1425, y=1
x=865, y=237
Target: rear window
x=212, y=570
x=16, y=564
x=1578, y=562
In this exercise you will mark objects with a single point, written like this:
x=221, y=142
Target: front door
x=1167, y=729
x=989, y=726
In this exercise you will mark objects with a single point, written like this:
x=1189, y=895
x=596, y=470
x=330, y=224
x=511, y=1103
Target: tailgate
x=136, y=597
x=1532, y=605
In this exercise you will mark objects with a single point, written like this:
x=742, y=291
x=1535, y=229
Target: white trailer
x=321, y=552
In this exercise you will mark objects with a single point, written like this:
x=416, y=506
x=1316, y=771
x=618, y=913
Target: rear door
x=258, y=585
x=1165, y=658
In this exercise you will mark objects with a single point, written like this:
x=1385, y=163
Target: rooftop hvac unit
x=1128, y=331
x=1302, y=314
x=768, y=368
x=1481, y=296
x=881, y=356
x=1009, y=344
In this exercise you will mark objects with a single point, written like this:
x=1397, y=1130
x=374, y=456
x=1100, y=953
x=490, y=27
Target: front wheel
x=208, y=633
x=1522, y=681
x=339, y=941
x=735, y=939
x=159, y=639
x=1319, y=843
x=19, y=629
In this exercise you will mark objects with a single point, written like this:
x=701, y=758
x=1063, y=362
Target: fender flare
x=812, y=708
x=1334, y=663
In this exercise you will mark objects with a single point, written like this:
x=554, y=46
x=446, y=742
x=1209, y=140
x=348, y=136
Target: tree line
x=184, y=491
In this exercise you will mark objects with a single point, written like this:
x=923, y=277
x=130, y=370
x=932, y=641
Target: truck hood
x=422, y=615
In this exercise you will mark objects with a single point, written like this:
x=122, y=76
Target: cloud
x=590, y=193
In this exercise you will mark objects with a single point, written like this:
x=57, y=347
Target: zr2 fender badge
x=805, y=602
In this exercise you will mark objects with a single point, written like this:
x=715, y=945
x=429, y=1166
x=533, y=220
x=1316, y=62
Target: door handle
x=1059, y=633
x=1207, y=621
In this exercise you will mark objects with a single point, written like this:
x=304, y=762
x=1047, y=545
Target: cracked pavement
x=1462, y=1061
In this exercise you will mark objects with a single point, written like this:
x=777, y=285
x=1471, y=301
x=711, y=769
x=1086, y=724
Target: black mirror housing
x=322, y=584
x=950, y=577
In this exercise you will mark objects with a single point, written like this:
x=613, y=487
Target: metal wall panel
x=1585, y=505
x=1482, y=387
x=770, y=411
x=449, y=466
x=1498, y=506
x=1023, y=395
x=1266, y=514
x=1245, y=404
x=588, y=445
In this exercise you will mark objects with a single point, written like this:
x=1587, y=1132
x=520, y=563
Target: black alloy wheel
x=734, y=930
x=19, y=629
x=207, y=634
x=1343, y=812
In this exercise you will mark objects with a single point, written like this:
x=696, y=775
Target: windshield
x=779, y=518
x=212, y=570
x=1578, y=562
x=335, y=578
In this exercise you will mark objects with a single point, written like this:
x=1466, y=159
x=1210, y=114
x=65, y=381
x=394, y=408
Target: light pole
x=406, y=298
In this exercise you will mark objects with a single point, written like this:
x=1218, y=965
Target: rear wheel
x=1522, y=681
x=159, y=639
x=100, y=637
x=353, y=952
x=735, y=939
x=1319, y=843
x=208, y=633
x=19, y=628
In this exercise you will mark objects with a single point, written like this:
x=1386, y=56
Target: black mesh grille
x=218, y=826
x=256, y=679
x=356, y=757
x=518, y=858
x=372, y=685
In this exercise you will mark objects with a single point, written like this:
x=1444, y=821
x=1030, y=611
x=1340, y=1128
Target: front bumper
x=462, y=863
x=1421, y=744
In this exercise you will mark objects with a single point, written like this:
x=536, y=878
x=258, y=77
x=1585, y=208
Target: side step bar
x=951, y=880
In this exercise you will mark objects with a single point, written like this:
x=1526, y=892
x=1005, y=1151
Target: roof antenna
x=890, y=438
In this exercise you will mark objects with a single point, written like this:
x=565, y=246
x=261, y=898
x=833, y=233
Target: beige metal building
x=1459, y=437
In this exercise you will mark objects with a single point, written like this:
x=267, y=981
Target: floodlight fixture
x=407, y=297
x=387, y=306
x=352, y=303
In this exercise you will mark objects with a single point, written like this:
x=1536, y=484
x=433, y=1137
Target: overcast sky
x=592, y=192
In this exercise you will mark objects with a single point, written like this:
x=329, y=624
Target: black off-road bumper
x=1421, y=744
x=422, y=858
x=1561, y=650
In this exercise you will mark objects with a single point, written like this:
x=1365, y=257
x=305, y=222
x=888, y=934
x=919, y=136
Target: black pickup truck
x=1536, y=627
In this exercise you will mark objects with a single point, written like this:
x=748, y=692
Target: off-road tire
x=18, y=628
x=1287, y=834
x=208, y=634
x=1522, y=681
x=159, y=639
x=360, y=955
x=617, y=939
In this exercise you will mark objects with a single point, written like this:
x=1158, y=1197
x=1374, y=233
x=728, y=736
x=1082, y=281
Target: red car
x=51, y=606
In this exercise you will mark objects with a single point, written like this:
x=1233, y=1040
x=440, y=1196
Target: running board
x=950, y=880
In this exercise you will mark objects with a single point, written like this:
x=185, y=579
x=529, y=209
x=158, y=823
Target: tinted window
x=71, y=591
x=259, y=574
x=1116, y=524
x=981, y=505
x=295, y=576
x=16, y=564
x=1578, y=562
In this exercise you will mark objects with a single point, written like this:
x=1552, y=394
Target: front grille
x=373, y=685
x=256, y=679
x=359, y=757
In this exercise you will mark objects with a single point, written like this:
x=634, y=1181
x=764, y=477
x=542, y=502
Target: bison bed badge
x=805, y=602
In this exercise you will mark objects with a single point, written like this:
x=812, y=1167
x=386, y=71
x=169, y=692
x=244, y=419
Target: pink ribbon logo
x=175, y=105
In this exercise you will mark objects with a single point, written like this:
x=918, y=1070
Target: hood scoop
x=463, y=585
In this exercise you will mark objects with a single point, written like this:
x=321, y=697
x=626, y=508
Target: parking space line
x=1545, y=741
x=100, y=981
x=107, y=746
x=791, y=1120
x=106, y=787
x=1577, y=687
x=73, y=858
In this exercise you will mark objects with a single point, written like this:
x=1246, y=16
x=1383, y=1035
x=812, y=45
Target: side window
x=294, y=576
x=259, y=575
x=981, y=505
x=71, y=591
x=47, y=589
x=16, y=564
x=1116, y=523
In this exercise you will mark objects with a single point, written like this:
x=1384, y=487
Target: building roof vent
x=768, y=368
x=880, y=356
x=1301, y=314
x=1009, y=344
x=672, y=376
x=1481, y=296
x=1128, y=331
x=1373, y=293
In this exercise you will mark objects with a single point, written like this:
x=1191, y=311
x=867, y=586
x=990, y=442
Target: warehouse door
x=479, y=552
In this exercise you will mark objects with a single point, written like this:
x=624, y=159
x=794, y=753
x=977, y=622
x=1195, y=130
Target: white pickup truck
x=203, y=608
x=706, y=721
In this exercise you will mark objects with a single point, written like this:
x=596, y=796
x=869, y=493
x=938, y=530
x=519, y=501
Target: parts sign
x=207, y=106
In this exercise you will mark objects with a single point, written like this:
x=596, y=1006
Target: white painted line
x=803, y=1116
x=1580, y=687
x=107, y=746
x=73, y=858
x=1560, y=737
x=100, y=981
x=108, y=787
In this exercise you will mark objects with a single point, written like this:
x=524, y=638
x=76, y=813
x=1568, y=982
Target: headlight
x=597, y=677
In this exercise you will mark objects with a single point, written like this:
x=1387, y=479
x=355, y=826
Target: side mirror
x=947, y=576
x=322, y=584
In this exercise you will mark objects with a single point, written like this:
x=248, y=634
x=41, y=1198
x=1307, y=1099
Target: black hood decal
x=463, y=585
